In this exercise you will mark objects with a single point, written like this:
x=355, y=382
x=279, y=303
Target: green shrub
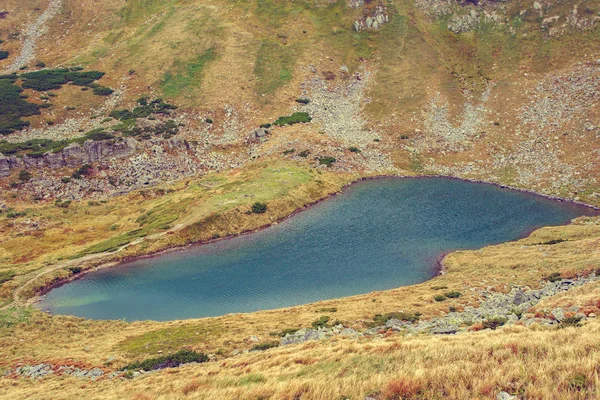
x=259, y=208
x=82, y=171
x=168, y=361
x=208, y=120
x=98, y=135
x=440, y=297
x=284, y=332
x=493, y=323
x=52, y=79
x=295, y=118
x=3, y=55
x=571, y=321
x=62, y=204
x=303, y=101
x=304, y=153
x=24, y=175
x=289, y=151
x=264, y=346
x=328, y=161
x=102, y=91
x=265, y=126
x=453, y=294
x=328, y=309
x=578, y=382
x=13, y=107
x=15, y=214
x=75, y=270
x=354, y=149
x=381, y=319
x=321, y=322
x=404, y=137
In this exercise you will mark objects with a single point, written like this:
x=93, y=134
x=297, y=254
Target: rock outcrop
x=4, y=166
x=72, y=155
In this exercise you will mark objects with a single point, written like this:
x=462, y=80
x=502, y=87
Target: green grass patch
x=185, y=75
x=6, y=275
x=14, y=315
x=273, y=66
x=171, y=339
x=251, y=379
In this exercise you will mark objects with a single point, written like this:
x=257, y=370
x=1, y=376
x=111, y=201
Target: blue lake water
x=376, y=235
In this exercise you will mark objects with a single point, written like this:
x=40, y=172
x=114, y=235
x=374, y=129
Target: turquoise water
x=376, y=235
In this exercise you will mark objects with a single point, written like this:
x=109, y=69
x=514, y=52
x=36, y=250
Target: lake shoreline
x=438, y=263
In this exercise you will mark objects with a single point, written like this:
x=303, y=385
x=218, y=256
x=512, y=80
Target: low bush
x=578, y=382
x=264, y=346
x=289, y=151
x=168, y=361
x=102, y=90
x=75, y=270
x=24, y=176
x=571, y=321
x=453, y=294
x=3, y=55
x=440, y=297
x=304, y=153
x=354, y=149
x=284, y=332
x=13, y=107
x=381, y=319
x=328, y=309
x=62, y=204
x=259, y=208
x=295, y=118
x=82, y=171
x=321, y=322
x=328, y=161
x=303, y=100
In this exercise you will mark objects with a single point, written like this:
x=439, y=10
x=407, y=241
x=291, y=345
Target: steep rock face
x=72, y=155
x=4, y=166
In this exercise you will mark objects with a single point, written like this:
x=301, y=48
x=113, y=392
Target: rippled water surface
x=377, y=234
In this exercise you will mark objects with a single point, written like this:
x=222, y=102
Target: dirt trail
x=34, y=32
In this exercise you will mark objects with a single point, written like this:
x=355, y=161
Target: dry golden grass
x=539, y=363
x=536, y=362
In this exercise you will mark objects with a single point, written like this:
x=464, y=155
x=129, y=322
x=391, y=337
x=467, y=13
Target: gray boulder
x=258, y=135
x=505, y=396
x=558, y=313
x=519, y=297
